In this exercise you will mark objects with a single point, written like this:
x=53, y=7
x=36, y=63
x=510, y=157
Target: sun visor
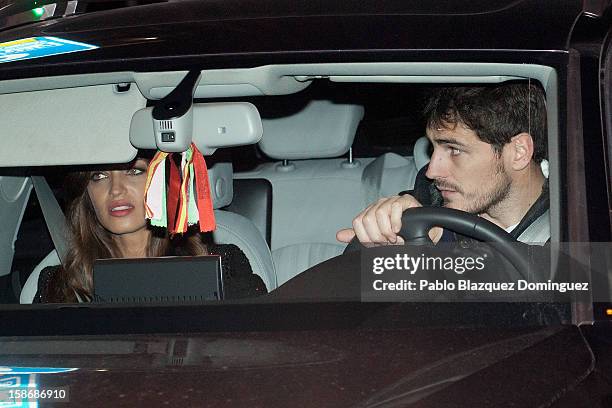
x=215, y=125
x=82, y=125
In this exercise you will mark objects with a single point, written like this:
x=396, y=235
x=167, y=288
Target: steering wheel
x=416, y=223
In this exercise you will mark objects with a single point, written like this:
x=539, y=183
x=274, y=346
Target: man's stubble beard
x=479, y=203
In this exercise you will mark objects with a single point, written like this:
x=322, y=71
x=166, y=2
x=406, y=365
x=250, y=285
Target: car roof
x=131, y=37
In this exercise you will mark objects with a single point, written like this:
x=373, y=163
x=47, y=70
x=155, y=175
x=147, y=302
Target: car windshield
x=327, y=153
x=410, y=181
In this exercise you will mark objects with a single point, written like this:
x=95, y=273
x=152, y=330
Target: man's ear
x=520, y=151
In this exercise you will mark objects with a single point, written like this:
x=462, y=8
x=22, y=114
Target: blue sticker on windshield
x=34, y=370
x=37, y=47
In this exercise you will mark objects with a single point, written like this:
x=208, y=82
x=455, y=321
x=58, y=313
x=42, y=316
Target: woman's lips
x=120, y=209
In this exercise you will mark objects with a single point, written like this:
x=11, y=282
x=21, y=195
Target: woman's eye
x=98, y=176
x=135, y=171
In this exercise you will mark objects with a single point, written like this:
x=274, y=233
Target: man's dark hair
x=495, y=113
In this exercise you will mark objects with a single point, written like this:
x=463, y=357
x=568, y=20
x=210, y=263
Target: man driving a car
x=488, y=146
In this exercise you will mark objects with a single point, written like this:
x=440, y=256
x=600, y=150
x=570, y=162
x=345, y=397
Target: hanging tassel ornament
x=155, y=191
x=184, y=199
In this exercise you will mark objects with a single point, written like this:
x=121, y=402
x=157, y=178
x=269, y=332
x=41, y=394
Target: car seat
x=315, y=191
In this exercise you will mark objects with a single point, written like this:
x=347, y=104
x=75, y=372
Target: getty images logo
x=412, y=264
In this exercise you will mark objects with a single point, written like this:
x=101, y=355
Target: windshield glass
x=318, y=210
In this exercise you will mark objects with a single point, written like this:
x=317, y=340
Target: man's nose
x=437, y=166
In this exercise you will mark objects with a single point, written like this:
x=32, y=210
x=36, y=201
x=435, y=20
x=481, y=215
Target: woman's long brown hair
x=89, y=241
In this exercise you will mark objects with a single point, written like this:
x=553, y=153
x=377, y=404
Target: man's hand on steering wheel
x=419, y=222
x=380, y=223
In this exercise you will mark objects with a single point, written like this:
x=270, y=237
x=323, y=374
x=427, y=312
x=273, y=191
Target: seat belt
x=53, y=215
x=54, y=218
x=538, y=232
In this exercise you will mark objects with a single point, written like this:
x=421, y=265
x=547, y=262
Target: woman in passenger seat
x=106, y=219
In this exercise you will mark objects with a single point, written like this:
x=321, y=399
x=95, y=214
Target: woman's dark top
x=239, y=281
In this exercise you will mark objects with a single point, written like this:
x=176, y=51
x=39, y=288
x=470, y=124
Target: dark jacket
x=239, y=281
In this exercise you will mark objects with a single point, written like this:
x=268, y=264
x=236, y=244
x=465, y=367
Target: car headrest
x=220, y=178
x=322, y=129
x=421, y=152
